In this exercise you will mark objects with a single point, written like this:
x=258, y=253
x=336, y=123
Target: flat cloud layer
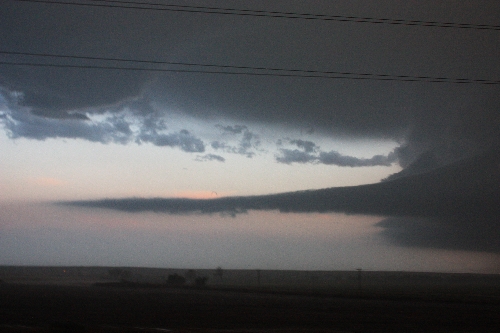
x=450, y=201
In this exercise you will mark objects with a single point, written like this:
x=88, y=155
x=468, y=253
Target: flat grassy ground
x=79, y=299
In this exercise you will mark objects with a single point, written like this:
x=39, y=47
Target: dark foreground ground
x=104, y=299
x=66, y=308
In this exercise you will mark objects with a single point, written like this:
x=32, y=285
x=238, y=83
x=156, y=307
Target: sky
x=270, y=135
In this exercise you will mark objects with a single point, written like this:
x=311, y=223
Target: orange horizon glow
x=48, y=181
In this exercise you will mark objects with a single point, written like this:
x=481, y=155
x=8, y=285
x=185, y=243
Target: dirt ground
x=139, y=307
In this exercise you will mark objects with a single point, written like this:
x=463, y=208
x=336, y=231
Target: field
x=101, y=299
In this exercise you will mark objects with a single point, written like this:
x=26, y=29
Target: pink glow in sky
x=40, y=234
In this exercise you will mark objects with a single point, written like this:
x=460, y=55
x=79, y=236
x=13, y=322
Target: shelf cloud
x=450, y=201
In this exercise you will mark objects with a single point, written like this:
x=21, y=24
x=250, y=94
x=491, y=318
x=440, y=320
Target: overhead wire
x=231, y=70
x=263, y=13
x=244, y=70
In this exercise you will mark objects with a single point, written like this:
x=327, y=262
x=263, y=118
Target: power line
x=240, y=70
x=297, y=72
x=263, y=13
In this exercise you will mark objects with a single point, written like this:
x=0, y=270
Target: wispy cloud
x=289, y=156
x=247, y=143
x=121, y=128
x=210, y=157
x=236, y=129
x=307, y=146
x=309, y=152
x=183, y=139
x=23, y=124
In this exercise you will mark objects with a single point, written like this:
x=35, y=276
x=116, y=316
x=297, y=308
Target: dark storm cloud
x=453, y=120
x=451, y=134
x=25, y=125
x=450, y=120
x=470, y=233
x=51, y=93
x=424, y=163
x=114, y=128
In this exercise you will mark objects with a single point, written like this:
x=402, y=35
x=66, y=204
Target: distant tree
x=200, y=281
x=190, y=276
x=176, y=280
x=219, y=272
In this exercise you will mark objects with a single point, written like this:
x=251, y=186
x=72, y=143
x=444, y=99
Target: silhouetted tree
x=176, y=280
x=200, y=281
x=190, y=276
x=219, y=272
